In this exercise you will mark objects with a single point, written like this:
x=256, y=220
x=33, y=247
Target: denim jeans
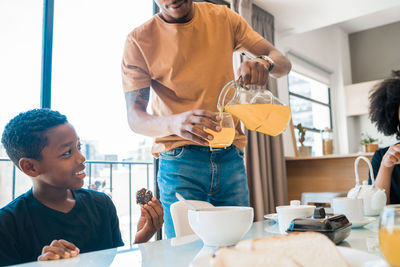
x=198, y=173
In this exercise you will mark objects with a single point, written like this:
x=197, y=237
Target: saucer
x=367, y=220
x=272, y=217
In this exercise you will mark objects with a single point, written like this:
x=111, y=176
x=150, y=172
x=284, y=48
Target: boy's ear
x=29, y=167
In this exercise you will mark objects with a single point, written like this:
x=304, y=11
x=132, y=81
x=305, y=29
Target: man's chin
x=180, y=16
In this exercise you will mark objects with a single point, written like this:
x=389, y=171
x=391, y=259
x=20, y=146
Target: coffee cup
x=287, y=213
x=351, y=207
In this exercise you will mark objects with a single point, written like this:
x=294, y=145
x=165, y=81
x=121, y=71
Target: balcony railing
x=112, y=165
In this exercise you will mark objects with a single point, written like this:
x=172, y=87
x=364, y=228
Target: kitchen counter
x=330, y=173
x=333, y=156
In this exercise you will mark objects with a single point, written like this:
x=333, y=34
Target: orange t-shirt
x=186, y=64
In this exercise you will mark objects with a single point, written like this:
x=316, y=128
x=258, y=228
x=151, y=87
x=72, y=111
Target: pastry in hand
x=143, y=196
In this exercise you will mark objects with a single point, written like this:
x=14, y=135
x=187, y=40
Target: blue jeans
x=216, y=176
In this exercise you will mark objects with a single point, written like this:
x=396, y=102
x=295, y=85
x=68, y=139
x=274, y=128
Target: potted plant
x=369, y=143
x=303, y=150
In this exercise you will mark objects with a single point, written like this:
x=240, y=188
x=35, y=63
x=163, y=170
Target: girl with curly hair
x=384, y=112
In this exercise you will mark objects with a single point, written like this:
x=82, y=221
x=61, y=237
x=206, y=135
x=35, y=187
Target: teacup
x=287, y=213
x=351, y=207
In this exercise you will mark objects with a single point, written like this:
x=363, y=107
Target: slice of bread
x=307, y=249
x=231, y=257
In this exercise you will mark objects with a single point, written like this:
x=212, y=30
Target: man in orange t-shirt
x=184, y=54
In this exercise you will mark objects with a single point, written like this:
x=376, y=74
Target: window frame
x=329, y=105
x=310, y=70
x=316, y=72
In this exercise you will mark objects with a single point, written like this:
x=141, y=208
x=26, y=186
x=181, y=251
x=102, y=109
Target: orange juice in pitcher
x=269, y=119
x=258, y=109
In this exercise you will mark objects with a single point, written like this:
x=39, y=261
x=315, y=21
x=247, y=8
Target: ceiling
x=297, y=16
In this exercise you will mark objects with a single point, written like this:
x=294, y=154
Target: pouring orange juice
x=269, y=119
x=259, y=110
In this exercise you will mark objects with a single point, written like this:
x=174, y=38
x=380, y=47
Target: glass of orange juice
x=225, y=137
x=389, y=234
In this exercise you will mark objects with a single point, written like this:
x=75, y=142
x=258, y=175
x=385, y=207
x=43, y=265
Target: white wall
x=362, y=124
x=329, y=48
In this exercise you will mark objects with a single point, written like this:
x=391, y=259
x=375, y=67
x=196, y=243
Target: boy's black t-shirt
x=26, y=226
x=395, y=178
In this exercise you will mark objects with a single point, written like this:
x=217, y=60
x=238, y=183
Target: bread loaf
x=307, y=249
x=231, y=257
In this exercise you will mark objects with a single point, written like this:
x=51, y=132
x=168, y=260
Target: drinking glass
x=225, y=137
x=389, y=234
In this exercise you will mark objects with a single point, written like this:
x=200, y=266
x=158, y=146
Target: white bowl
x=221, y=226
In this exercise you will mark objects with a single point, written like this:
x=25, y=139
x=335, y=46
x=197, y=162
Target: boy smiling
x=56, y=218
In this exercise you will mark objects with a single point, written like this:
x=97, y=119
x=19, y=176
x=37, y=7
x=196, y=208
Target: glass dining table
x=361, y=248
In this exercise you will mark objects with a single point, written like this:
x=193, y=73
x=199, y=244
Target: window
x=20, y=68
x=88, y=42
x=309, y=99
x=87, y=87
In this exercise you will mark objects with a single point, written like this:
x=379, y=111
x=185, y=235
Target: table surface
x=181, y=251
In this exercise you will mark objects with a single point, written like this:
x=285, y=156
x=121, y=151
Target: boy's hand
x=58, y=249
x=150, y=221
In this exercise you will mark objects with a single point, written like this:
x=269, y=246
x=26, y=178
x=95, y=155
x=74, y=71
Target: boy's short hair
x=384, y=105
x=24, y=135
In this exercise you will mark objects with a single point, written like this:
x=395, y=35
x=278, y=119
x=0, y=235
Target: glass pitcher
x=258, y=109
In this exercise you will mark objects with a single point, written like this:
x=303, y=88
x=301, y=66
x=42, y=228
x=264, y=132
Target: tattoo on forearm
x=138, y=97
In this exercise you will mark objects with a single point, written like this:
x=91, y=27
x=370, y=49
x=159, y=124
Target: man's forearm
x=282, y=65
x=144, y=123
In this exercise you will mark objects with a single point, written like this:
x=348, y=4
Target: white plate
x=272, y=216
x=354, y=257
x=367, y=220
x=359, y=258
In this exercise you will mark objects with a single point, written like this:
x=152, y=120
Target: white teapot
x=374, y=198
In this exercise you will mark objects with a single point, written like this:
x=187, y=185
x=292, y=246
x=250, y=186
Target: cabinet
x=331, y=173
